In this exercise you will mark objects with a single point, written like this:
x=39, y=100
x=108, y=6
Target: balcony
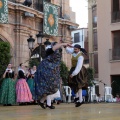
x=115, y=17
x=38, y=5
x=114, y=54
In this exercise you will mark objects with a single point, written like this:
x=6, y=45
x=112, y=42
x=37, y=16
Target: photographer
x=7, y=93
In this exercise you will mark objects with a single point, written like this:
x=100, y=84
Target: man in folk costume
x=78, y=73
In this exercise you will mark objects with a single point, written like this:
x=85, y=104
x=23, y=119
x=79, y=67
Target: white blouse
x=33, y=71
x=10, y=70
x=21, y=70
x=79, y=63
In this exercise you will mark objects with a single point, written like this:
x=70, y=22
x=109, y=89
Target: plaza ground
x=101, y=111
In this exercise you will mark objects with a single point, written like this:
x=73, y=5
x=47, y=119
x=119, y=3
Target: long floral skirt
x=23, y=92
x=7, y=91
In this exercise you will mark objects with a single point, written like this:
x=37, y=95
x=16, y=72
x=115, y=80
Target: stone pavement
x=102, y=111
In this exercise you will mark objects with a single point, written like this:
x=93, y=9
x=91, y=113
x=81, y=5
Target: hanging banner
x=50, y=19
x=3, y=11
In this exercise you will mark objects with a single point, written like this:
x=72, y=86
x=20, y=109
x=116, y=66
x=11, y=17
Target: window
x=116, y=5
x=115, y=17
x=116, y=45
x=76, y=38
x=60, y=12
x=95, y=40
x=96, y=63
x=94, y=15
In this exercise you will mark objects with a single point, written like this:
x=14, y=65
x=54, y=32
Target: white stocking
x=49, y=100
x=76, y=95
x=80, y=95
x=52, y=97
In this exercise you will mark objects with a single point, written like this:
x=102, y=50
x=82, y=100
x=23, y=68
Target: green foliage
x=4, y=56
x=33, y=62
x=64, y=72
x=91, y=73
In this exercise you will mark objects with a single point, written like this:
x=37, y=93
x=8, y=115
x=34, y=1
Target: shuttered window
x=76, y=38
x=116, y=5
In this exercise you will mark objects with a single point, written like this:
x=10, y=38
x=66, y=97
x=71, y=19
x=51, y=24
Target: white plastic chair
x=68, y=93
x=92, y=93
x=108, y=94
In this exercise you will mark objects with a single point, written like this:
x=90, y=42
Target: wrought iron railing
x=114, y=54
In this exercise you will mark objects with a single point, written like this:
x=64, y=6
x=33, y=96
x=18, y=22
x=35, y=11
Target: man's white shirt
x=79, y=62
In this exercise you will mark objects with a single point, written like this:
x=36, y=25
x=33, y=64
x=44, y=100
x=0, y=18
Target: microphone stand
x=104, y=88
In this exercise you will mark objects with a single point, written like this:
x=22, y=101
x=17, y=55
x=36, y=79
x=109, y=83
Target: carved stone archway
x=3, y=39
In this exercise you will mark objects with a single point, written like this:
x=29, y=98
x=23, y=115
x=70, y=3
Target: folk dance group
x=47, y=77
x=17, y=88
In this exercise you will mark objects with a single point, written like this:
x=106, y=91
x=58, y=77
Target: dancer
x=47, y=77
x=22, y=90
x=7, y=92
x=78, y=73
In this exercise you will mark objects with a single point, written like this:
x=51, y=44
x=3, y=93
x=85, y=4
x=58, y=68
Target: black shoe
x=76, y=99
x=42, y=105
x=51, y=107
x=78, y=104
x=22, y=104
x=9, y=105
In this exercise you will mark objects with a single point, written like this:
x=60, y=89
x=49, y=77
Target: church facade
x=25, y=21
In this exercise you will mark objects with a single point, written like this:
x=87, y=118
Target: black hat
x=77, y=46
x=81, y=49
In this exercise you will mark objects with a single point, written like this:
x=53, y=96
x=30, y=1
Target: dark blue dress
x=47, y=76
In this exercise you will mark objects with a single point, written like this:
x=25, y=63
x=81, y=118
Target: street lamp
x=47, y=42
x=31, y=43
x=39, y=41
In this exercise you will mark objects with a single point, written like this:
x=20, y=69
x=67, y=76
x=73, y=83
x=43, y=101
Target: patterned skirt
x=7, y=91
x=23, y=92
x=47, y=79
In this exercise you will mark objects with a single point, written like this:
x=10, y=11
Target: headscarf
x=81, y=49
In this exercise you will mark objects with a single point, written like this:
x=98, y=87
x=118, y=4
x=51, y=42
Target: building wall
x=105, y=40
x=20, y=28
